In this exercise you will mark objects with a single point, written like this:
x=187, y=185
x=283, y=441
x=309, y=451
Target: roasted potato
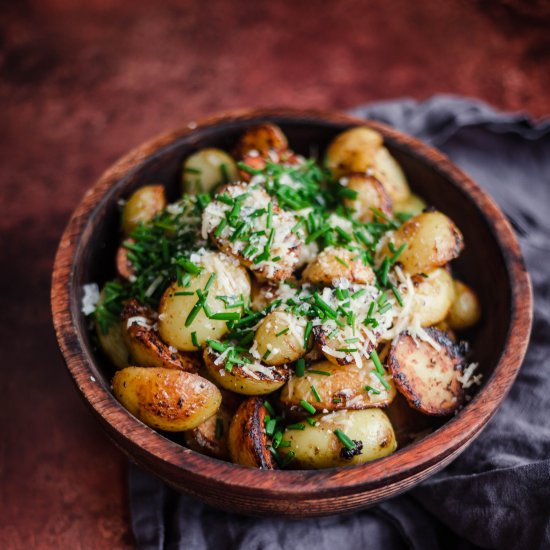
x=353, y=150
x=167, y=399
x=247, y=379
x=431, y=239
x=412, y=205
x=337, y=388
x=433, y=296
x=337, y=263
x=124, y=266
x=428, y=377
x=175, y=308
x=280, y=338
x=264, y=138
x=212, y=436
x=332, y=345
x=248, y=443
x=207, y=168
x=113, y=345
x=465, y=310
x=391, y=176
x=261, y=295
x=318, y=446
x=142, y=206
x=370, y=195
x=143, y=341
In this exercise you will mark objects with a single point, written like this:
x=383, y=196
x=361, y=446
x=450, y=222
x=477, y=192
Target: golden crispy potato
x=370, y=194
x=391, y=176
x=204, y=170
x=264, y=138
x=319, y=447
x=465, y=310
x=428, y=378
x=337, y=263
x=353, y=150
x=113, y=345
x=212, y=436
x=175, y=326
x=432, y=240
x=261, y=295
x=142, y=206
x=280, y=337
x=166, y=399
x=143, y=341
x=344, y=388
x=412, y=205
x=247, y=379
x=124, y=266
x=331, y=345
x=433, y=296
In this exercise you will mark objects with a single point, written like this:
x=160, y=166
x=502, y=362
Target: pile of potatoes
x=166, y=383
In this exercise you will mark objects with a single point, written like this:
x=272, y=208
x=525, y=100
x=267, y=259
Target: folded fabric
x=497, y=493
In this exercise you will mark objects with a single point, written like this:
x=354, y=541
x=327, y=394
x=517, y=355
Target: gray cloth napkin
x=497, y=493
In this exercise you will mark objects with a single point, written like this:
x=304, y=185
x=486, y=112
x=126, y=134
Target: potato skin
x=284, y=348
x=432, y=240
x=465, y=310
x=325, y=267
x=247, y=439
x=202, y=171
x=391, y=176
x=242, y=382
x=264, y=138
x=433, y=296
x=166, y=399
x=370, y=194
x=144, y=343
x=142, y=206
x=428, y=378
x=346, y=384
x=203, y=440
x=113, y=345
x=124, y=266
x=318, y=447
x=174, y=309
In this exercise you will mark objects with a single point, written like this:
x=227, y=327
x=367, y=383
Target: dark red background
x=81, y=82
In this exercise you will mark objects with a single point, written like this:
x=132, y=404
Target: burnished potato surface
x=206, y=169
x=142, y=206
x=465, y=310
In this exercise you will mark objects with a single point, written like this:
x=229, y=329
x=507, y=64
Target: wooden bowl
x=491, y=263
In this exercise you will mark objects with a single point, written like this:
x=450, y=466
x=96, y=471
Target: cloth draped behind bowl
x=497, y=493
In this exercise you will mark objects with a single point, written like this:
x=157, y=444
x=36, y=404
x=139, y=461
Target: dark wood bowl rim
x=293, y=483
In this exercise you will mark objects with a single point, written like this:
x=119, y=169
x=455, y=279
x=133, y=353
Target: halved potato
x=142, y=206
x=337, y=263
x=337, y=388
x=175, y=308
x=428, y=377
x=261, y=294
x=370, y=194
x=264, y=138
x=167, y=399
x=412, y=205
x=205, y=169
x=212, y=436
x=247, y=379
x=391, y=176
x=248, y=442
x=143, y=341
x=433, y=296
x=465, y=310
x=280, y=338
x=332, y=345
x=432, y=240
x=353, y=150
x=319, y=447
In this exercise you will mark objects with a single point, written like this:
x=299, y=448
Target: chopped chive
x=249, y=250
x=306, y=406
x=219, y=428
x=372, y=390
x=315, y=393
x=344, y=234
x=266, y=354
x=298, y=426
x=382, y=299
x=225, y=316
x=377, y=363
x=194, y=339
x=284, y=331
x=287, y=459
x=270, y=426
x=189, y=266
x=238, y=231
x=383, y=271
x=276, y=259
x=184, y=293
x=397, y=295
x=382, y=379
x=226, y=199
x=359, y=293
x=336, y=400
x=316, y=234
x=347, y=350
x=276, y=440
x=284, y=444
x=398, y=253
x=340, y=261
x=300, y=367
x=347, y=193
x=269, y=221
x=224, y=173
x=194, y=312
x=307, y=332
x=191, y=170
x=269, y=408
x=324, y=306
x=346, y=441
x=204, y=199
x=311, y=421
x=218, y=346
x=209, y=282
x=425, y=275
x=384, y=308
x=321, y=372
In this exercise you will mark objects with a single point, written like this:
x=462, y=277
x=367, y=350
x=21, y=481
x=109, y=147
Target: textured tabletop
x=83, y=82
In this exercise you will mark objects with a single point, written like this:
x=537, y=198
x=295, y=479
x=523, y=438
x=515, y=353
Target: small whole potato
x=318, y=446
x=113, y=345
x=412, y=205
x=433, y=296
x=263, y=139
x=166, y=399
x=465, y=310
x=142, y=206
x=337, y=263
x=390, y=174
x=211, y=437
x=280, y=338
x=206, y=169
x=370, y=194
x=432, y=240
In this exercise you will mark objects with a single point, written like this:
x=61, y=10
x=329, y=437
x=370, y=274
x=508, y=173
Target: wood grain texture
x=87, y=250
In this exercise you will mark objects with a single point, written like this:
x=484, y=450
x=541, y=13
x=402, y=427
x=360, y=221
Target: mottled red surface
x=82, y=81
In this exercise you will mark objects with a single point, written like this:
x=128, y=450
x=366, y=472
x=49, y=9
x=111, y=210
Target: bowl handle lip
x=292, y=483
